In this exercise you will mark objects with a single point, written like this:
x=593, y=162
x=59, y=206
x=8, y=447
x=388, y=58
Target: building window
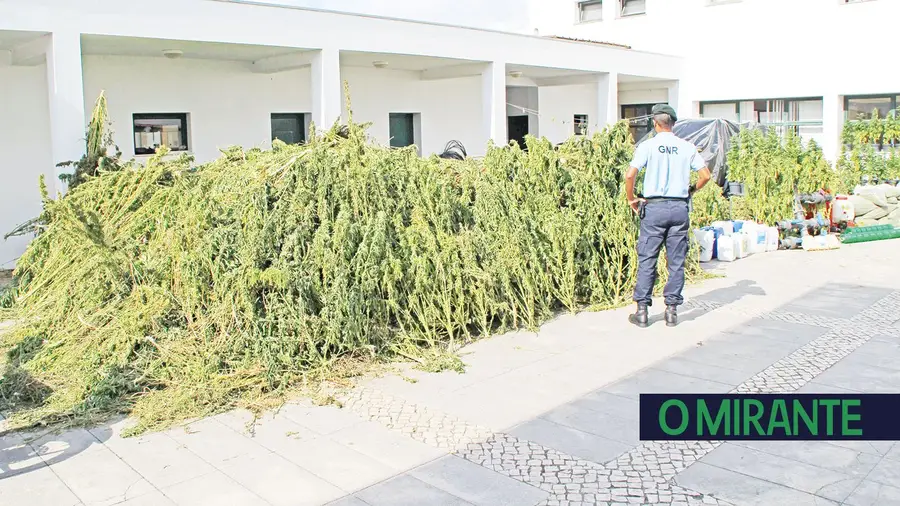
x=404, y=129
x=802, y=116
x=860, y=108
x=729, y=111
x=152, y=131
x=581, y=124
x=639, y=120
x=590, y=11
x=289, y=128
x=632, y=7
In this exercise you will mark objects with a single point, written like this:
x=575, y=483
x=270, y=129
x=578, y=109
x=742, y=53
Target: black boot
x=640, y=317
x=671, y=316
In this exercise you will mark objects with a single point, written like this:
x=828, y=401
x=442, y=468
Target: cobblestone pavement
x=539, y=419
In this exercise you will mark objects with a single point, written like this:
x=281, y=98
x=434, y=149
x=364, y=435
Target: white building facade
x=202, y=75
x=800, y=64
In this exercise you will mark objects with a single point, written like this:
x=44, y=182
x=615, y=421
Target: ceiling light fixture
x=380, y=64
x=515, y=74
x=173, y=54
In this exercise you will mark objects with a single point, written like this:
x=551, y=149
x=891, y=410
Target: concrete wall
x=23, y=152
x=450, y=109
x=227, y=104
x=559, y=105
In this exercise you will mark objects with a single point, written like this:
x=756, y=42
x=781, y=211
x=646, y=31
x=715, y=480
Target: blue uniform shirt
x=669, y=162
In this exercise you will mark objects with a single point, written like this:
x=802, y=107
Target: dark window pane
x=288, y=128
x=402, y=130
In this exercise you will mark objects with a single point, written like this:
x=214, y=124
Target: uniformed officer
x=664, y=210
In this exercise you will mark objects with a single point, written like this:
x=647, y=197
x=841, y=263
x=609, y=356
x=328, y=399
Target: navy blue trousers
x=664, y=222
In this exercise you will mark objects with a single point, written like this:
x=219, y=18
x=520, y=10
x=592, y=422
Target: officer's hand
x=636, y=204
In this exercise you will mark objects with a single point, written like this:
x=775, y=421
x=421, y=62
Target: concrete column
x=607, y=100
x=832, y=124
x=493, y=99
x=66, y=103
x=327, y=89
x=674, y=92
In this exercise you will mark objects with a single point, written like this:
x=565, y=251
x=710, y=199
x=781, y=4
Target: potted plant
x=892, y=129
x=876, y=129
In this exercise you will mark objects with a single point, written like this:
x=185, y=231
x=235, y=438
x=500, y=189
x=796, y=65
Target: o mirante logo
x=699, y=417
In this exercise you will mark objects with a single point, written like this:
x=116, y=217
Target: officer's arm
x=704, y=177
x=638, y=163
x=630, y=176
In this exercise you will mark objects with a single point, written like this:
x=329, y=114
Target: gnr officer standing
x=664, y=211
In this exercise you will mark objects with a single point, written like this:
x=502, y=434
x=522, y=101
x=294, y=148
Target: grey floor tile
x=877, y=448
x=388, y=447
x=154, y=498
x=741, y=353
x=819, y=453
x=886, y=472
x=572, y=441
x=405, y=490
x=861, y=377
x=893, y=453
x=776, y=330
x=54, y=447
x=110, y=479
x=712, y=372
x=156, y=457
x=655, y=381
x=320, y=419
x=214, y=489
x=340, y=465
x=742, y=490
x=605, y=402
x=789, y=473
x=349, y=501
x=279, y=482
x=214, y=442
x=814, y=387
x=40, y=487
x=870, y=493
x=596, y=422
x=17, y=457
x=476, y=484
x=879, y=354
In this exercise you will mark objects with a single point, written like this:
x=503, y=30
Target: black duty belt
x=666, y=199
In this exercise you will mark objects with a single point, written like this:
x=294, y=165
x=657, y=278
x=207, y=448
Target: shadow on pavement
x=712, y=300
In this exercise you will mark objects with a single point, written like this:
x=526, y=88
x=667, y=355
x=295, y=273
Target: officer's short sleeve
x=697, y=162
x=640, y=156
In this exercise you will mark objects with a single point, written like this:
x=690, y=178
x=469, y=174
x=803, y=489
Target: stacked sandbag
x=876, y=205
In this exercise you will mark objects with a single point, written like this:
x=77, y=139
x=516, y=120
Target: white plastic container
x=706, y=239
x=725, y=248
x=744, y=249
x=771, y=239
x=756, y=236
x=726, y=226
x=842, y=211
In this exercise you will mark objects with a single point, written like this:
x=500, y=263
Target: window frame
x=182, y=117
x=623, y=3
x=301, y=117
x=416, y=119
x=582, y=121
x=892, y=97
x=579, y=11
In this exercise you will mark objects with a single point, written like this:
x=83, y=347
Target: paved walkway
x=539, y=419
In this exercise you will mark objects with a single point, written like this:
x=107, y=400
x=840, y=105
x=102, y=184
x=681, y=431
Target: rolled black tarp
x=713, y=138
